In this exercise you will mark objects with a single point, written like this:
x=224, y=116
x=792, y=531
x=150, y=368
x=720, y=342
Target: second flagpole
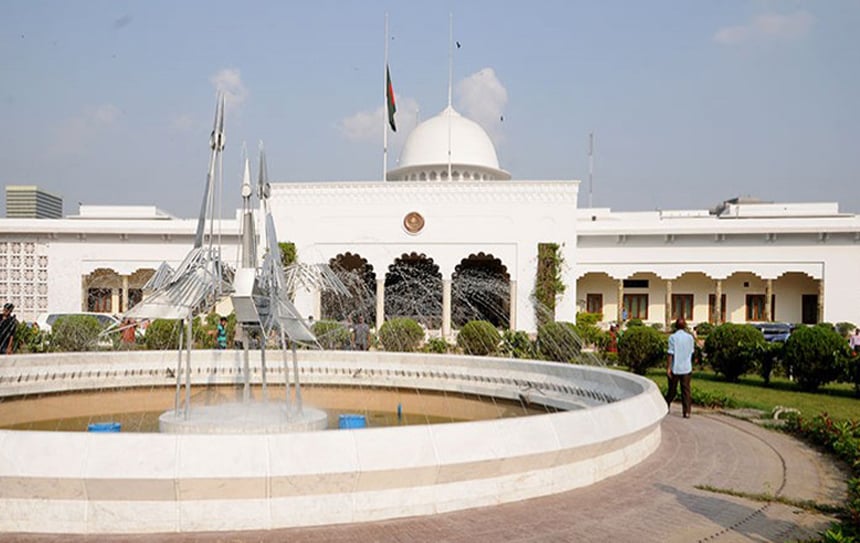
x=385, y=107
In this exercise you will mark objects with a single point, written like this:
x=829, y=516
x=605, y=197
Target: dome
x=426, y=149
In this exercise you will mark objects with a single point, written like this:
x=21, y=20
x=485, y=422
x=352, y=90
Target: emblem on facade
x=413, y=222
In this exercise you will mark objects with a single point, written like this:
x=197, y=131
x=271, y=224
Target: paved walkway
x=655, y=501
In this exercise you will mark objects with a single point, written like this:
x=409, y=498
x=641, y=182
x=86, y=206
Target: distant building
x=31, y=202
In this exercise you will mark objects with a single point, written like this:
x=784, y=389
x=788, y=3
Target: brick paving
x=654, y=502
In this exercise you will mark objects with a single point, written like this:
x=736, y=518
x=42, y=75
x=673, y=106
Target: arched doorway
x=413, y=288
x=360, y=280
x=102, y=291
x=481, y=290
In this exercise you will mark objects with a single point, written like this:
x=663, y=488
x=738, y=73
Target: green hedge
x=559, y=341
x=517, y=344
x=817, y=355
x=332, y=334
x=640, y=348
x=401, y=334
x=479, y=338
x=735, y=349
x=75, y=333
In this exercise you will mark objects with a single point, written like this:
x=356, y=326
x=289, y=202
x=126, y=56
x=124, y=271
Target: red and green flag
x=389, y=95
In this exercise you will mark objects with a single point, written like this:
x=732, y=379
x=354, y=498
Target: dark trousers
x=686, y=393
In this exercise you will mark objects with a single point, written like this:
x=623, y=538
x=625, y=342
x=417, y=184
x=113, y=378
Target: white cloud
x=75, y=134
x=767, y=26
x=229, y=81
x=366, y=126
x=482, y=98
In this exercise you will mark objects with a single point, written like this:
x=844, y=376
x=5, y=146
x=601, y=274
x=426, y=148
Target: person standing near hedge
x=8, y=325
x=679, y=366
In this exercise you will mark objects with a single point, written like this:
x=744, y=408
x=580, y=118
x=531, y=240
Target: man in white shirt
x=679, y=366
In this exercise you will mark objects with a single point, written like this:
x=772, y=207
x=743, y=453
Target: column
x=718, y=302
x=768, y=296
x=84, y=293
x=380, y=303
x=446, y=308
x=512, y=318
x=668, y=304
x=124, y=307
x=620, y=316
x=821, y=300
x=114, y=300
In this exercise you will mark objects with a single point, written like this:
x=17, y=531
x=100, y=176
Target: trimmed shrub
x=558, y=341
x=401, y=334
x=640, y=348
x=75, y=333
x=332, y=335
x=589, y=332
x=845, y=328
x=479, y=338
x=517, y=344
x=734, y=349
x=163, y=335
x=28, y=339
x=703, y=329
x=436, y=345
x=816, y=355
x=633, y=323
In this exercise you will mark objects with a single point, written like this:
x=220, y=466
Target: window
x=594, y=303
x=636, y=306
x=755, y=307
x=712, y=308
x=99, y=300
x=635, y=283
x=682, y=306
x=809, y=308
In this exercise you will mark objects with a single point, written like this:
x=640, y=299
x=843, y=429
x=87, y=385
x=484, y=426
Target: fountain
x=209, y=474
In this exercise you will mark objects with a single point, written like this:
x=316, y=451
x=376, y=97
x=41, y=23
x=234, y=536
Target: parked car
x=46, y=320
x=774, y=331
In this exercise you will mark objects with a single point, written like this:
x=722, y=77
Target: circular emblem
x=413, y=222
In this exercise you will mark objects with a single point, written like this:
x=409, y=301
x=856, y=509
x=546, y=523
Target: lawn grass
x=836, y=399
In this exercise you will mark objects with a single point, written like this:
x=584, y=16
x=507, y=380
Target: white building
x=460, y=222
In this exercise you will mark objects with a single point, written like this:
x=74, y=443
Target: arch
x=101, y=290
x=481, y=290
x=413, y=288
x=360, y=280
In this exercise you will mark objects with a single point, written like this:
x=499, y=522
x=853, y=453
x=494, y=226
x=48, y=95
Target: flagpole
x=450, y=82
x=385, y=107
x=590, y=166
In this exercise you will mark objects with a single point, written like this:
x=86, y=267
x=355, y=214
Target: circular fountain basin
x=79, y=482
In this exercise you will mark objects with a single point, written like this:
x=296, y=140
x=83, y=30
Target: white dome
x=428, y=144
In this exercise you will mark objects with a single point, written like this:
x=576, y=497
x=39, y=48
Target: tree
x=288, y=252
x=548, y=284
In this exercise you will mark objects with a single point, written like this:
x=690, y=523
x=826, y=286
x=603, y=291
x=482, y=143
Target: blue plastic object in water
x=347, y=422
x=104, y=427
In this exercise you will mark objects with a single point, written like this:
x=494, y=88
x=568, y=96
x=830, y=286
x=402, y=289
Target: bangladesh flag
x=389, y=95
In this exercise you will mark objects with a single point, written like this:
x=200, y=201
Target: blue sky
x=111, y=102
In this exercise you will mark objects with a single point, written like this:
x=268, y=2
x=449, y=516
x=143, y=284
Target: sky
x=691, y=103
